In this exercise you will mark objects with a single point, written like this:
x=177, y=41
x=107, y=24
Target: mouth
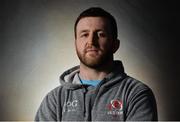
x=92, y=51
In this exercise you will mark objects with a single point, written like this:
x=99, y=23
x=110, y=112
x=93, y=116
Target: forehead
x=92, y=22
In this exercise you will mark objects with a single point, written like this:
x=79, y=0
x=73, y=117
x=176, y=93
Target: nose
x=93, y=39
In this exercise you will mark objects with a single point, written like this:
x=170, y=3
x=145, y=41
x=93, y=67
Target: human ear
x=116, y=45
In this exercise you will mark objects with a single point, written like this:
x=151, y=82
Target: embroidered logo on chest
x=115, y=107
x=70, y=106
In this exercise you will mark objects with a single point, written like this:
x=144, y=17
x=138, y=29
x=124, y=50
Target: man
x=98, y=89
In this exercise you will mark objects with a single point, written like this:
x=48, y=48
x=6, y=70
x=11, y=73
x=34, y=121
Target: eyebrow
x=82, y=31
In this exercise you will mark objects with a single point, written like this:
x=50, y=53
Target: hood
x=70, y=80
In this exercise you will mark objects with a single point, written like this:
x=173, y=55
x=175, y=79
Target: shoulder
x=54, y=94
x=134, y=88
x=140, y=100
x=52, y=97
x=136, y=91
x=48, y=107
x=55, y=91
x=133, y=84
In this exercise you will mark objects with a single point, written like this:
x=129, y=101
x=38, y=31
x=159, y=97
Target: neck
x=89, y=73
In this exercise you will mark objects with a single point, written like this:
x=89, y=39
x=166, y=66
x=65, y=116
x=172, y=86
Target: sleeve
x=48, y=108
x=142, y=106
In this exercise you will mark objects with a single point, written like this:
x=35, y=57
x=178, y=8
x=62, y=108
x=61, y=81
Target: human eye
x=101, y=34
x=82, y=35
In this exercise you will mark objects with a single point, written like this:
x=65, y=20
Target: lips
x=92, y=51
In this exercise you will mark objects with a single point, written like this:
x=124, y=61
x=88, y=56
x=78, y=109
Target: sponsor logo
x=70, y=106
x=115, y=107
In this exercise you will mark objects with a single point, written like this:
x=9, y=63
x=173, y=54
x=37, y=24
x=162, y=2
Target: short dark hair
x=98, y=12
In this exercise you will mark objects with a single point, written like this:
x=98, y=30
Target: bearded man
x=98, y=89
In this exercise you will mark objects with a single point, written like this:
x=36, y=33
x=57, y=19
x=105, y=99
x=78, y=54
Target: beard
x=95, y=61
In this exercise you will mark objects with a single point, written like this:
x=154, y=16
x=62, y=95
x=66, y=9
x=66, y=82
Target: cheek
x=105, y=45
x=79, y=46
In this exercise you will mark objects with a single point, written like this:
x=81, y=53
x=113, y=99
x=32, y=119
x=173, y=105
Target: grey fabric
x=117, y=98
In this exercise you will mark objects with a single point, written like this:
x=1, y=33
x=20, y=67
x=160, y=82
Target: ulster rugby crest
x=115, y=107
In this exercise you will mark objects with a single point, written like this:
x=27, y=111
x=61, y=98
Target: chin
x=94, y=63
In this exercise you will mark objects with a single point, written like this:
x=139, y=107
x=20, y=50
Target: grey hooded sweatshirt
x=118, y=97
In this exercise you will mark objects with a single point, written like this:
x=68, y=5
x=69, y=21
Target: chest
x=106, y=105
